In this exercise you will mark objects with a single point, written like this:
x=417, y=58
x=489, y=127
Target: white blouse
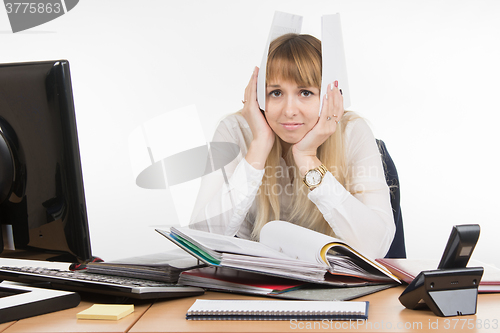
x=226, y=201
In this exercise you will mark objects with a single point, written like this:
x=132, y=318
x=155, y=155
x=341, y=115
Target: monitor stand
x=6, y=237
x=9, y=250
x=19, y=301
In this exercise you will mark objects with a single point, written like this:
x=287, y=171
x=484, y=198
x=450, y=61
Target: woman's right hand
x=263, y=135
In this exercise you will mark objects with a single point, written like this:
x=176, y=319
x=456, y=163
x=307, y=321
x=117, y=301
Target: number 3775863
x=33, y=7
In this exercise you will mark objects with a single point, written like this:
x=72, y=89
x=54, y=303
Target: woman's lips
x=291, y=126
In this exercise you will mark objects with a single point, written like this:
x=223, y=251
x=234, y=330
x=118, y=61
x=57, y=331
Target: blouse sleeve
x=363, y=219
x=226, y=195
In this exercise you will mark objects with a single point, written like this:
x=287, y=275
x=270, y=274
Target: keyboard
x=82, y=281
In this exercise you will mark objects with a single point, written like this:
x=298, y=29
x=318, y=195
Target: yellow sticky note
x=106, y=311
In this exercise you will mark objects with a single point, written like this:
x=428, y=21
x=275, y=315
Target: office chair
x=398, y=248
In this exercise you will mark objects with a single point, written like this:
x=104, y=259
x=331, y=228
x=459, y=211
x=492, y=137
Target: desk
x=65, y=321
x=386, y=314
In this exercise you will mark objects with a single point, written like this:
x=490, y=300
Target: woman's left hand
x=304, y=151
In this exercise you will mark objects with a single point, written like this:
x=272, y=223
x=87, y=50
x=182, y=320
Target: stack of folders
x=288, y=251
x=226, y=279
x=163, y=267
x=159, y=272
x=204, y=309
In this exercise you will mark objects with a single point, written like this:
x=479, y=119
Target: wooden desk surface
x=65, y=321
x=386, y=314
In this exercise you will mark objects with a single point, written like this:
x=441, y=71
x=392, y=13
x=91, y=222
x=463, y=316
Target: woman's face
x=291, y=110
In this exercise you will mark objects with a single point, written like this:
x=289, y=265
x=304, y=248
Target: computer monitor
x=42, y=201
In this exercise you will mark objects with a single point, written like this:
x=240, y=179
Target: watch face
x=313, y=177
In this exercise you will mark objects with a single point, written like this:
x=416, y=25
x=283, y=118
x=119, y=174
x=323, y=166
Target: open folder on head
x=332, y=49
x=285, y=250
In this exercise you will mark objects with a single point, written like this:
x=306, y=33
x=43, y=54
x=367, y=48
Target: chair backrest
x=398, y=248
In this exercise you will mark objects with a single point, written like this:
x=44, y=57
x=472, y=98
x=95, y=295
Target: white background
x=425, y=74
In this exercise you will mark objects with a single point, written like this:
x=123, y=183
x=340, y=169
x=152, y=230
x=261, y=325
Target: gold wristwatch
x=314, y=177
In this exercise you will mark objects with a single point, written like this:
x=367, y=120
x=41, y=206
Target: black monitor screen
x=41, y=186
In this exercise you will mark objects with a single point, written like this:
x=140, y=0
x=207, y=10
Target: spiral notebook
x=204, y=309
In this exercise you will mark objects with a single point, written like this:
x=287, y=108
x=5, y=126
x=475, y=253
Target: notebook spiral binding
x=239, y=313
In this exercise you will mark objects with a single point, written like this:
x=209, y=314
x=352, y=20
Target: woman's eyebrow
x=269, y=86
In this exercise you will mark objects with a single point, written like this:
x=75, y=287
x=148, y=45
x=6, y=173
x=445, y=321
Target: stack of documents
x=237, y=281
x=162, y=267
x=288, y=251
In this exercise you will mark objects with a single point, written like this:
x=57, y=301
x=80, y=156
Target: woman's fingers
x=252, y=113
x=251, y=89
x=334, y=103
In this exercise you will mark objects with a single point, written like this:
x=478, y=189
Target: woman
x=322, y=172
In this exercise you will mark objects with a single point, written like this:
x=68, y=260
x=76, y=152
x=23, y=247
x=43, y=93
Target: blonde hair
x=297, y=58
